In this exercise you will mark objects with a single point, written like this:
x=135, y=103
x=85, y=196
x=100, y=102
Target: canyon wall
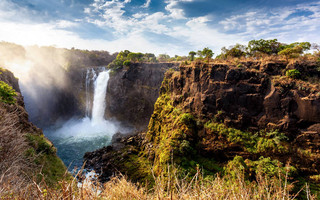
x=216, y=115
x=132, y=92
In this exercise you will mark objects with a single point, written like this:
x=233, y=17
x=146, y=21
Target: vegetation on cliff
x=26, y=156
x=7, y=94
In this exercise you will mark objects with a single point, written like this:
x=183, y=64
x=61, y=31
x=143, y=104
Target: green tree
x=235, y=51
x=191, y=55
x=294, y=50
x=268, y=47
x=207, y=53
x=163, y=57
x=150, y=57
x=179, y=58
x=135, y=57
x=127, y=63
x=123, y=55
x=199, y=53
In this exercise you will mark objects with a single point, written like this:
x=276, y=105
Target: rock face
x=208, y=114
x=132, y=92
x=247, y=98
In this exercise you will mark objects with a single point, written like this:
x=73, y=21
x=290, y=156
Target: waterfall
x=90, y=77
x=99, y=104
x=78, y=136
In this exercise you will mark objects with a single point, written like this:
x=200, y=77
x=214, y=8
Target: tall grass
x=165, y=188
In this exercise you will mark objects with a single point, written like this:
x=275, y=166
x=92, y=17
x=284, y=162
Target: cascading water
x=77, y=137
x=90, y=77
x=99, y=105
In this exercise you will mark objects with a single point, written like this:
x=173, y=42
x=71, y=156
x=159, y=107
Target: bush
x=293, y=73
x=127, y=63
x=7, y=93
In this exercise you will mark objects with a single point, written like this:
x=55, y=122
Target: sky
x=174, y=27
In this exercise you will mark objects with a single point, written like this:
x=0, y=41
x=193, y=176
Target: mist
x=50, y=78
x=57, y=91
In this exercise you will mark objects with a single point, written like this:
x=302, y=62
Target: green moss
x=263, y=166
x=43, y=153
x=187, y=119
x=7, y=93
x=170, y=130
x=257, y=143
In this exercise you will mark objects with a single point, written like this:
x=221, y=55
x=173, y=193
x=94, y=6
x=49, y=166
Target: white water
x=90, y=77
x=99, y=104
x=78, y=136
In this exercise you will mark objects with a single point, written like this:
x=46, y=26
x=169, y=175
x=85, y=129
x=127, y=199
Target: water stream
x=77, y=136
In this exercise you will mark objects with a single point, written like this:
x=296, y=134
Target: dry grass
x=13, y=145
x=165, y=188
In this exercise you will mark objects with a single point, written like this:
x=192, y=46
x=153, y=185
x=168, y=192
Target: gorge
x=145, y=118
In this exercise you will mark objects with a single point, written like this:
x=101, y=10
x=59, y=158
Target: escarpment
x=215, y=115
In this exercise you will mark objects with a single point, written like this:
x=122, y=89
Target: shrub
x=127, y=63
x=7, y=93
x=293, y=73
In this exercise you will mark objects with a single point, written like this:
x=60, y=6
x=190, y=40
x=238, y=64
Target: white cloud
x=65, y=24
x=129, y=32
x=147, y=4
x=286, y=24
x=175, y=12
x=139, y=15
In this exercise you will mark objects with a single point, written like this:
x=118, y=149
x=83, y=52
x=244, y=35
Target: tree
x=191, y=55
x=294, y=50
x=123, y=55
x=236, y=51
x=199, y=53
x=127, y=63
x=150, y=57
x=163, y=57
x=268, y=47
x=207, y=53
x=134, y=57
x=316, y=46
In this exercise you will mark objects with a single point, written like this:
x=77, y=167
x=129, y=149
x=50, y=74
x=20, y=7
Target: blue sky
x=158, y=26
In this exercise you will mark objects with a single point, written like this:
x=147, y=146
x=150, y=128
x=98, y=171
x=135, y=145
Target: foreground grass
x=226, y=187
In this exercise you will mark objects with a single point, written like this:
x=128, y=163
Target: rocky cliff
x=216, y=116
x=132, y=92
